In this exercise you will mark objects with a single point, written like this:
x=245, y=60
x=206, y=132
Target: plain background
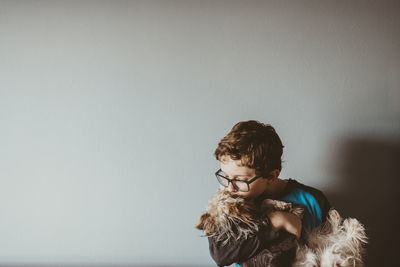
x=110, y=112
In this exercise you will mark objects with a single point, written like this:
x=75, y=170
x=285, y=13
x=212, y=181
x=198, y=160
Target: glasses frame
x=248, y=182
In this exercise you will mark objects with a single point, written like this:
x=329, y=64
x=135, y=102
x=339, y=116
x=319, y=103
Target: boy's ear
x=273, y=175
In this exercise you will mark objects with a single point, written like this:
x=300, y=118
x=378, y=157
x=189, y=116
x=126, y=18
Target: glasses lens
x=222, y=180
x=241, y=186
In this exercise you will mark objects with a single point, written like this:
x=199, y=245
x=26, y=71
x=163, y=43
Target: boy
x=250, y=159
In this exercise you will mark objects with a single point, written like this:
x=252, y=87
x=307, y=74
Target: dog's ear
x=202, y=221
x=206, y=223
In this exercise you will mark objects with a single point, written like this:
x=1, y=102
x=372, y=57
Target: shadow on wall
x=368, y=172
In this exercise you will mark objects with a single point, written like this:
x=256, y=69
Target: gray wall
x=110, y=113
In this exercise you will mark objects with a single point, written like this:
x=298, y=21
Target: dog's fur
x=336, y=243
x=229, y=217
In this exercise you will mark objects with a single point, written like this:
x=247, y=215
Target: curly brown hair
x=257, y=145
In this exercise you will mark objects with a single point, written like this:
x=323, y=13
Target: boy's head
x=251, y=149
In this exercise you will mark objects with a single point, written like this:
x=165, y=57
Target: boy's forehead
x=230, y=165
x=227, y=159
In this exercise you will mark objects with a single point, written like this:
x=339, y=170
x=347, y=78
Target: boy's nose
x=231, y=188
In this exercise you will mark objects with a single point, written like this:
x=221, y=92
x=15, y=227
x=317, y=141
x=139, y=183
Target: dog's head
x=228, y=216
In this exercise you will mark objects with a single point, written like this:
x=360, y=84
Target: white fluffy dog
x=337, y=243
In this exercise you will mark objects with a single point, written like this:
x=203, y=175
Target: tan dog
x=229, y=217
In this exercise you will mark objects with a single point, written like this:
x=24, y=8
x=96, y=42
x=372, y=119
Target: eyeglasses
x=240, y=185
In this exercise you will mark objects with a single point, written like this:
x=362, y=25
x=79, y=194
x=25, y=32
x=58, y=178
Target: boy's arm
x=240, y=250
x=244, y=249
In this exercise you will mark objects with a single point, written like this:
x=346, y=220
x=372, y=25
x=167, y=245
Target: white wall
x=110, y=113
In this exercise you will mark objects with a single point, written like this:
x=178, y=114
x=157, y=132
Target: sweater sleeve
x=236, y=251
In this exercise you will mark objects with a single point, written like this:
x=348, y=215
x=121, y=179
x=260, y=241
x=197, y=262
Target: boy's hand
x=287, y=221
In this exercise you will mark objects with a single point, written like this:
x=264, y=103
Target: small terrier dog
x=229, y=217
x=335, y=243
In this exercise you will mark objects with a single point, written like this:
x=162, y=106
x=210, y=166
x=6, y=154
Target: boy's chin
x=238, y=194
x=243, y=195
